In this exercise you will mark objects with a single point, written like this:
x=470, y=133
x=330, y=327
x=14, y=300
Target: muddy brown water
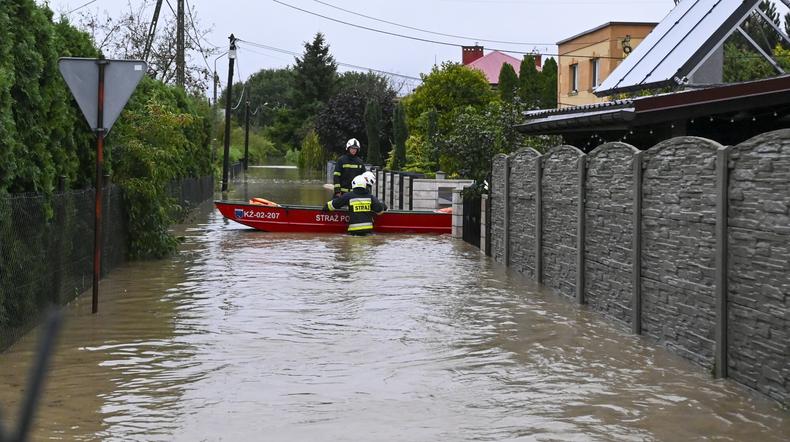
x=249, y=335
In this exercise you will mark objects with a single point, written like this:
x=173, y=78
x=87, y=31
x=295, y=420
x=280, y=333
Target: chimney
x=538, y=61
x=470, y=53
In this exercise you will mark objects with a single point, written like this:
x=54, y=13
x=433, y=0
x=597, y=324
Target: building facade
x=588, y=58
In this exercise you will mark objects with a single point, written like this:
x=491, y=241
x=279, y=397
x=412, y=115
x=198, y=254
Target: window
x=596, y=72
x=574, y=78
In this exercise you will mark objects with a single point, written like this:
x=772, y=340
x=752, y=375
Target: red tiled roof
x=491, y=63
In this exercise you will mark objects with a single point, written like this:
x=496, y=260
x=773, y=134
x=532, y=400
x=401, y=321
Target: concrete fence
x=409, y=191
x=687, y=243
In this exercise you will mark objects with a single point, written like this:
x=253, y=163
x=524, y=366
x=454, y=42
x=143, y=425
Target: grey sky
x=268, y=23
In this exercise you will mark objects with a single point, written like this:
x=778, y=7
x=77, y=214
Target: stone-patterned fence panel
x=678, y=245
x=499, y=181
x=523, y=203
x=560, y=188
x=609, y=239
x=759, y=264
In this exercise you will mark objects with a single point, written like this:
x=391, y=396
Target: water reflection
x=252, y=335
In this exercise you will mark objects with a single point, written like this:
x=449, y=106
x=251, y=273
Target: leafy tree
x=162, y=137
x=312, y=154
x=344, y=117
x=315, y=74
x=418, y=155
x=479, y=134
x=548, y=85
x=447, y=89
x=508, y=83
x=373, y=130
x=400, y=133
x=530, y=83
x=761, y=32
x=124, y=37
x=741, y=64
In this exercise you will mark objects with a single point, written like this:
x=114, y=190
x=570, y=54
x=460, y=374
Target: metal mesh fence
x=46, y=247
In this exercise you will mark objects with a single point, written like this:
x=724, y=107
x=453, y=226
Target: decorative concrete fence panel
x=609, y=217
x=523, y=201
x=561, y=190
x=758, y=264
x=499, y=178
x=678, y=246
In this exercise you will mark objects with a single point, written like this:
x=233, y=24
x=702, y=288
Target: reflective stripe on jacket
x=362, y=206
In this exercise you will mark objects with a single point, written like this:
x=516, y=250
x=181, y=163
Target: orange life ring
x=445, y=210
x=263, y=202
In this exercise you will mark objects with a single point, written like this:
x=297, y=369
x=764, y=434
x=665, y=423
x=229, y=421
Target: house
x=490, y=64
x=586, y=59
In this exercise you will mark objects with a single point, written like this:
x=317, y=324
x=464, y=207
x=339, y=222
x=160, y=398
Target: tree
x=446, y=90
x=125, y=36
x=508, y=83
x=478, y=135
x=530, y=83
x=400, y=133
x=372, y=130
x=267, y=90
x=315, y=74
x=548, y=85
x=344, y=116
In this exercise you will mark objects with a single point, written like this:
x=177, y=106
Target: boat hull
x=312, y=219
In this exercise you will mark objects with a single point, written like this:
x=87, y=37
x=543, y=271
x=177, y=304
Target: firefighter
x=370, y=180
x=362, y=205
x=347, y=167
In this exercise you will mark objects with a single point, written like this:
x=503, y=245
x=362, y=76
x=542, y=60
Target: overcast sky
x=538, y=24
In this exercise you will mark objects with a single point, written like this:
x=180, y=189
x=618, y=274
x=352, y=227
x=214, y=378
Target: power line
x=197, y=42
x=80, y=7
x=426, y=40
x=433, y=32
x=296, y=54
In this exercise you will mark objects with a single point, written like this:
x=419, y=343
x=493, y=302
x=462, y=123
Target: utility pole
x=180, y=62
x=216, y=82
x=246, y=133
x=229, y=98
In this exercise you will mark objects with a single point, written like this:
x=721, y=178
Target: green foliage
x=315, y=74
x=161, y=137
x=548, y=85
x=530, y=83
x=508, y=83
x=478, y=135
x=447, y=89
x=293, y=157
x=312, y=154
x=344, y=117
x=418, y=154
x=741, y=64
x=373, y=131
x=400, y=133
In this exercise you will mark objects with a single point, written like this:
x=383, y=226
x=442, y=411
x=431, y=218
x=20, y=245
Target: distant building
x=588, y=58
x=490, y=64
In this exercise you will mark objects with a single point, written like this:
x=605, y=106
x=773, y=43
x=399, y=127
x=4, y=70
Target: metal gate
x=472, y=220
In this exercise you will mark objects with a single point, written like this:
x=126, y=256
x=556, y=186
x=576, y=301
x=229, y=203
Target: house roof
x=605, y=25
x=491, y=63
x=746, y=98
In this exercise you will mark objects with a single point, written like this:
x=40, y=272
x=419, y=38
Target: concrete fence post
x=458, y=214
x=506, y=215
x=484, y=224
x=722, y=181
x=580, y=230
x=539, y=219
x=636, y=249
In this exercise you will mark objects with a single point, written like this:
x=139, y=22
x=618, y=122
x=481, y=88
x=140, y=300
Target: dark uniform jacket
x=362, y=205
x=346, y=168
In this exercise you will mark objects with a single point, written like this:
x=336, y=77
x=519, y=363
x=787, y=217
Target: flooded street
x=249, y=335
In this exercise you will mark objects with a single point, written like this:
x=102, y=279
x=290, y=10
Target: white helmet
x=353, y=142
x=359, y=181
x=370, y=178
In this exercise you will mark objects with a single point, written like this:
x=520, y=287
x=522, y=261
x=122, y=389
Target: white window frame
x=595, y=66
x=574, y=78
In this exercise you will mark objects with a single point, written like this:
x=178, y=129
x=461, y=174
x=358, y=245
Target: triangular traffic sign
x=120, y=79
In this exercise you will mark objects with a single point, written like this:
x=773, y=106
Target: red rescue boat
x=294, y=218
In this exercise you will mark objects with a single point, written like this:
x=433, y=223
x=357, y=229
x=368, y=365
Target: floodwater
x=249, y=335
